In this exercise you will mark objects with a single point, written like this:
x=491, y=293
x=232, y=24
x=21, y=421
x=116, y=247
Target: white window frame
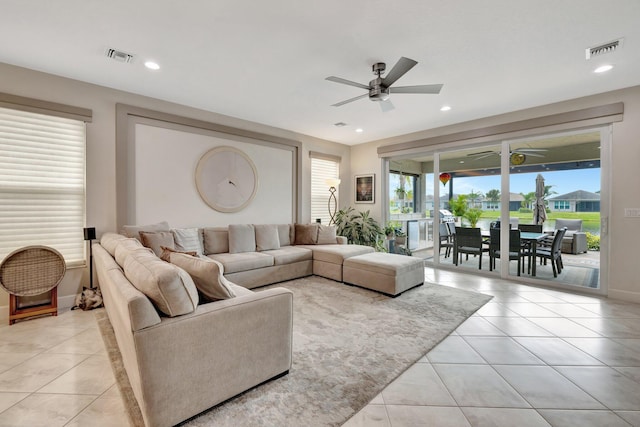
x=323, y=167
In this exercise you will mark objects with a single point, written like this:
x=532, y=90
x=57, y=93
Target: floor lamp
x=333, y=183
x=90, y=234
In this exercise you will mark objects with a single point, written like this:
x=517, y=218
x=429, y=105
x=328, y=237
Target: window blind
x=321, y=170
x=42, y=183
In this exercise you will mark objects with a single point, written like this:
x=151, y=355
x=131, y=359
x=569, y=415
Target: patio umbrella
x=539, y=211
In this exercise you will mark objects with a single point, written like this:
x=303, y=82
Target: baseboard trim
x=624, y=295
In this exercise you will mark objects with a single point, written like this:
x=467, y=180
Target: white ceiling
x=266, y=61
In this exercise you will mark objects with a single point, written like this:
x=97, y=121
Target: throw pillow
x=155, y=240
x=134, y=230
x=306, y=234
x=188, y=239
x=166, y=253
x=327, y=235
x=206, y=274
x=267, y=237
x=216, y=240
x=242, y=238
x=170, y=289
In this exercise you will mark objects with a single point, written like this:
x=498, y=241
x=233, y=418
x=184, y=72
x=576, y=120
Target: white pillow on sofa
x=188, y=239
x=206, y=274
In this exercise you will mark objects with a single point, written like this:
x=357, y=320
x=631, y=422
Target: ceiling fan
x=380, y=87
x=516, y=157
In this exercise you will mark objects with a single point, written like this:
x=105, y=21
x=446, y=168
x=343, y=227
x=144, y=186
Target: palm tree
x=493, y=195
x=474, y=197
x=529, y=198
x=548, y=192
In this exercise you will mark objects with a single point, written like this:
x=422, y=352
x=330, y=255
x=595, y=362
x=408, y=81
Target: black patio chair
x=554, y=253
x=515, y=248
x=446, y=240
x=530, y=228
x=468, y=241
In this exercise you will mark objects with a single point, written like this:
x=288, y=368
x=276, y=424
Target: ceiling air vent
x=603, y=48
x=120, y=56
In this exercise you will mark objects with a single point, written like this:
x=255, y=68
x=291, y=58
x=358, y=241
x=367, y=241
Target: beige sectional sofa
x=191, y=337
x=255, y=255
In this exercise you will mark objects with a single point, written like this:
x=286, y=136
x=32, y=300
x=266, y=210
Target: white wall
x=624, y=233
x=165, y=165
x=101, y=157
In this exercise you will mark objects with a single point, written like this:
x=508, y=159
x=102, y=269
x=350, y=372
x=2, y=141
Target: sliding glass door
x=533, y=186
x=559, y=180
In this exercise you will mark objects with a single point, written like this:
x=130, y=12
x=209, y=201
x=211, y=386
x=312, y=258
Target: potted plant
x=458, y=207
x=390, y=229
x=359, y=228
x=473, y=215
x=400, y=193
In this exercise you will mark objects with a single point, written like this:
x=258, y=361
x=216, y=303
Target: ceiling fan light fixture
x=378, y=93
x=517, y=159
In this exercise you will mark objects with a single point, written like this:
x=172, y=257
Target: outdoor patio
x=579, y=270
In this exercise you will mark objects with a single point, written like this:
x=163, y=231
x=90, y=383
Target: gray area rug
x=348, y=344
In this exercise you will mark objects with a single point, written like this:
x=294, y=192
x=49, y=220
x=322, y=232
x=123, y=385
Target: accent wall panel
x=164, y=180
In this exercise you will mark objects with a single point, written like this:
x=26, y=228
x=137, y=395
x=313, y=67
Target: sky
x=562, y=182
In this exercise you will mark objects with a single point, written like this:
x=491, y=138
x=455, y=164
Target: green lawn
x=588, y=218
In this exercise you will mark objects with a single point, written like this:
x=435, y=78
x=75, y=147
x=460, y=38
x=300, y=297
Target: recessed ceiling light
x=603, y=68
x=445, y=108
x=152, y=65
x=359, y=130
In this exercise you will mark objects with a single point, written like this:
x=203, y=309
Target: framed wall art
x=365, y=188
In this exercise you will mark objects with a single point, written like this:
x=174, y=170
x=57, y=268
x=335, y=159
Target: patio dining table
x=530, y=239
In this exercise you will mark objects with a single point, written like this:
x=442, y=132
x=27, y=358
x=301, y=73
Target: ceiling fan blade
x=386, y=106
x=417, y=89
x=350, y=100
x=482, y=153
x=529, y=150
x=402, y=66
x=483, y=156
x=346, y=82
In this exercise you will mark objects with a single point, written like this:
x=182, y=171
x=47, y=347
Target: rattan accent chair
x=31, y=271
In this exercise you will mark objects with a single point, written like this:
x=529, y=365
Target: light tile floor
x=530, y=357
x=54, y=371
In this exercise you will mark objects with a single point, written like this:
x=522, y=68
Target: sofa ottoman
x=329, y=259
x=390, y=274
